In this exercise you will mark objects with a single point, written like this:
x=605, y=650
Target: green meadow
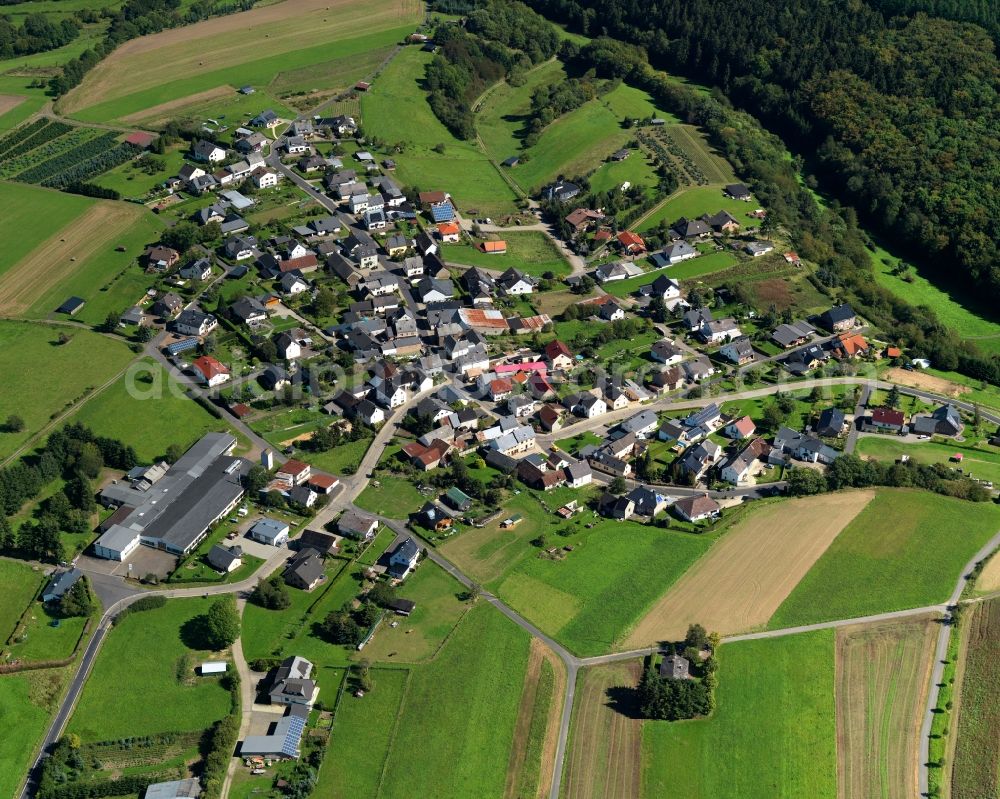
x=981, y=462
x=456, y=722
x=21, y=583
x=110, y=281
x=906, y=549
x=43, y=376
x=955, y=308
x=589, y=598
x=698, y=200
x=773, y=734
x=151, y=644
x=157, y=416
x=27, y=701
x=530, y=251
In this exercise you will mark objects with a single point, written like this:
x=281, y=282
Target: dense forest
x=35, y=35
x=899, y=114
x=982, y=12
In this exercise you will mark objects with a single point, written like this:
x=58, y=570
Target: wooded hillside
x=901, y=113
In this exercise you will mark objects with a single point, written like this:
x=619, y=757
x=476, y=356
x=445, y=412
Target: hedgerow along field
x=759, y=562
x=773, y=734
x=149, y=643
x=976, y=770
x=883, y=671
x=236, y=49
x=43, y=377
x=429, y=156
x=905, y=550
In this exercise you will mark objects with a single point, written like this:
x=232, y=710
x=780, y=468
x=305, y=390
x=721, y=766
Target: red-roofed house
x=540, y=387
x=449, y=232
x=631, y=243
x=893, y=352
x=307, y=263
x=558, y=355
x=323, y=483
x=140, y=139
x=426, y=458
x=511, y=368
x=886, y=419
x=294, y=472
x=551, y=417
x=210, y=371
x=850, y=345
x=500, y=389
x=741, y=428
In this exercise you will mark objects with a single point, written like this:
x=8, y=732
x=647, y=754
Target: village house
x=697, y=508
x=210, y=371
x=193, y=322
x=737, y=470
x=839, y=318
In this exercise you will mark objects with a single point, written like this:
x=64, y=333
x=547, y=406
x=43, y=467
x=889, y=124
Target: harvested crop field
x=8, y=102
x=882, y=677
x=55, y=259
x=159, y=114
x=529, y=770
x=989, y=577
x=227, y=41
x=926, y=382
x=758, y=564
x=976, y=764
x=604, y=757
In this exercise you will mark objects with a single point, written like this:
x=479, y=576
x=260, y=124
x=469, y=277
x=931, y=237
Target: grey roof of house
x=61, y=582
x=307, y=565
x=839, y=313
x=407, y=549
x=923, y=425
x=221, y=557
x=269, y=528
x=354, y=522
x=831, y=418
x=283, y=740
x=642, y=420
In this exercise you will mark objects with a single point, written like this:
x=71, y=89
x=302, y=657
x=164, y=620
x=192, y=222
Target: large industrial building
x=173, y=508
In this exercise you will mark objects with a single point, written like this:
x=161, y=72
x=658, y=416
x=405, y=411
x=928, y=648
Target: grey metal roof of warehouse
x=181, y=504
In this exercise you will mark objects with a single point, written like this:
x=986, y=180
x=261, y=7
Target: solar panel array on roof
x=444, y=212
x=296, y=726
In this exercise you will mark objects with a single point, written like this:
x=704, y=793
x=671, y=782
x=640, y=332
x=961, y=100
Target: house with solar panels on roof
x=293, y=686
